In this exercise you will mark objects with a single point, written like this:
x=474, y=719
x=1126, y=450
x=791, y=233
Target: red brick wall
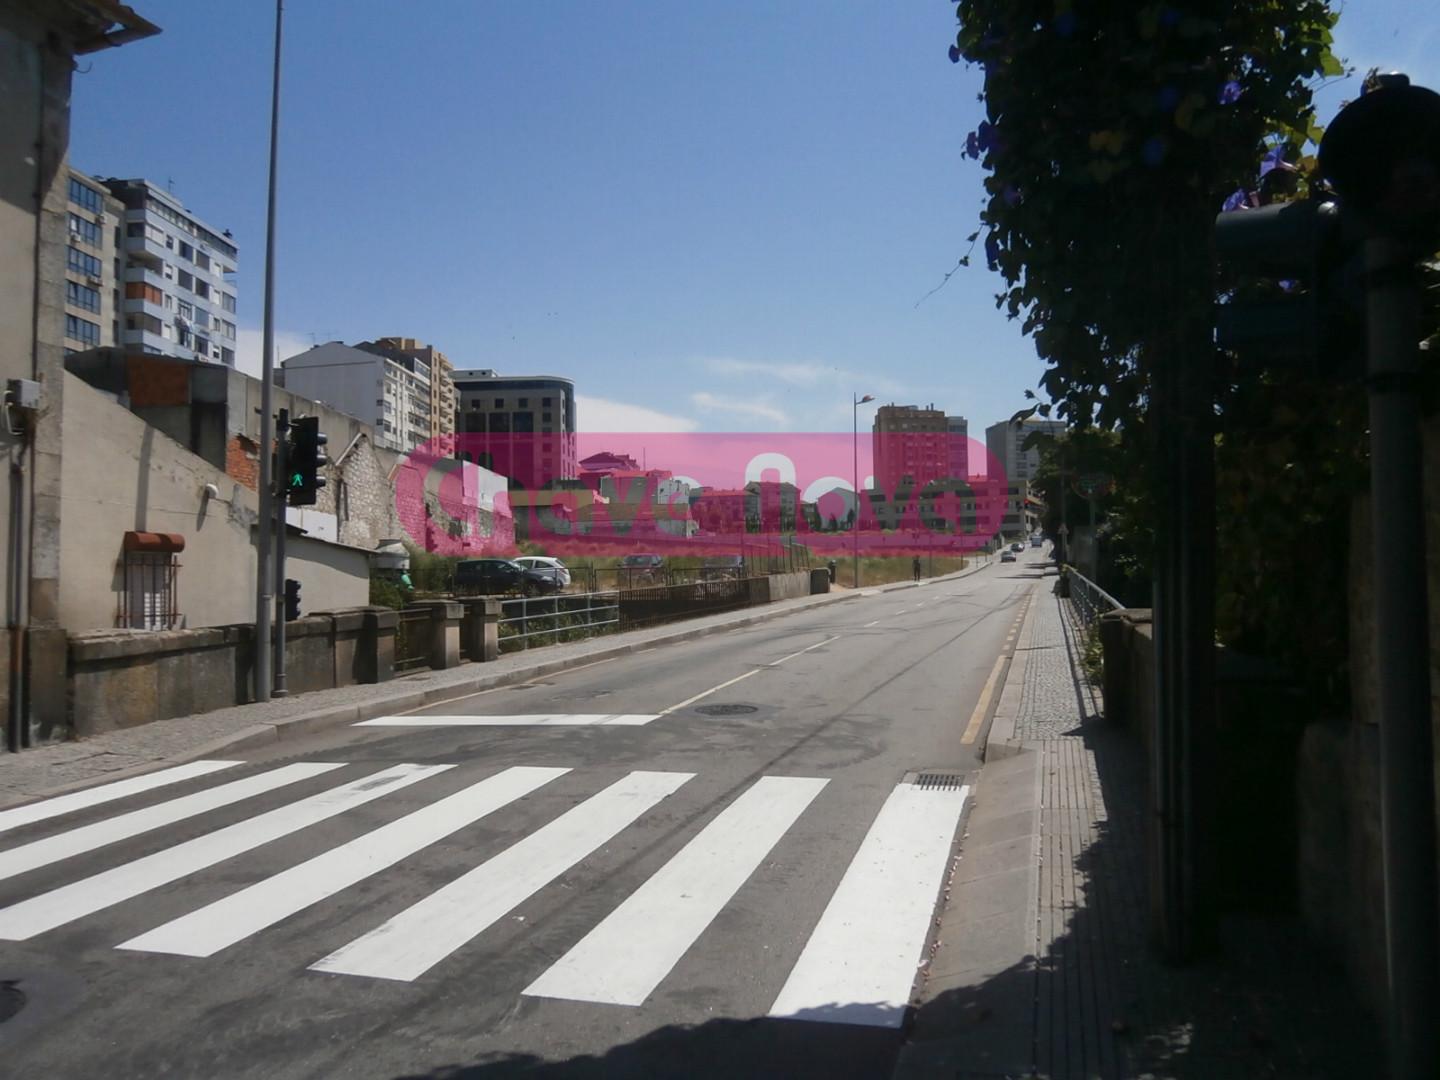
x=242, y=462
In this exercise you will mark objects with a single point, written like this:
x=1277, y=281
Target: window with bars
x=150, y=565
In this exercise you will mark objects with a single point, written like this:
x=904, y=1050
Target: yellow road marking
x=972, y=730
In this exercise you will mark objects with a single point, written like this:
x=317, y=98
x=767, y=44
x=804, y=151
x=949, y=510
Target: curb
x=269, y=732
x=1001, y=743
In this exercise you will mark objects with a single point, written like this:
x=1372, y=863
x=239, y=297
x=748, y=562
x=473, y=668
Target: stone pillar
x=819, y=580
x=444, y=631
x=481, y=629
x=375, y=659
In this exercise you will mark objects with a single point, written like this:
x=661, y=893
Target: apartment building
x=391, y=394
x=911, y=446
x=521, y=426
x=1006, y=440
x=92, y=264
x=178, y=278
x=410, y=352
x=958, y=446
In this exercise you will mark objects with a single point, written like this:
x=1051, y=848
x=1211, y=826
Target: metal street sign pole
x=282, y=500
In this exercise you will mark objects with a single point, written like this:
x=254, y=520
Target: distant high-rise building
x=1006, y=440
x=520, y=426
x=179, y=278
x=92, y=264
x=910, y=446
x=442, y=386
x=958, y=446
x=391, y=395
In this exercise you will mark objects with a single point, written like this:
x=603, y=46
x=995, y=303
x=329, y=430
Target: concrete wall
x=788, y=586
x=133, y=477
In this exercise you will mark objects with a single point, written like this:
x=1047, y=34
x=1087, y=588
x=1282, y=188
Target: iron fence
x=1089, y=599
x=558, y=617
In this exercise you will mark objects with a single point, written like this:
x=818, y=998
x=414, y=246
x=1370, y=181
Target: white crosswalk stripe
x=624, y=958
x=420, y=937
x=518, y=720
x=860, y=963
x=103, y=793
x=102, y=833
x=223, y=923
x=24, y=920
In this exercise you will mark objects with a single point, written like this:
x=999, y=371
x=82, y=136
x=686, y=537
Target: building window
x=227, y=356
x=185, y=310
x=202, y=318
x=202, y=260
x=87, y=231
x=149, y=599
x=82, y=263
x=86, y=197
x=82, y=296
x=546, y=402
x=187, y=252
x=186, y=280
x=524, y=403
x=227, y=301
x=202, y=289
x=82, y=330
x=135, y=230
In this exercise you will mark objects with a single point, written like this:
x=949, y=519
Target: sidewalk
x=1042, y=968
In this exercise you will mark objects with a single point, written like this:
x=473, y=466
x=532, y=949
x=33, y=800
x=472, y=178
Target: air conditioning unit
x=91, y=279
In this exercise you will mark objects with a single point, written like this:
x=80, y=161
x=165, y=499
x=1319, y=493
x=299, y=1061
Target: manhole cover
x=726, y=710
x=12, y=1000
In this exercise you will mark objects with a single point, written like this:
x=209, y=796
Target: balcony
x=148, y=277
x=145, y=251
x=141, y=306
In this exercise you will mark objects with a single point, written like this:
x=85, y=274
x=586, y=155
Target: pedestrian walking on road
x=915, y=566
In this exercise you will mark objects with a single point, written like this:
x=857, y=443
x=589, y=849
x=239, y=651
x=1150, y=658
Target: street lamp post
x=856, y=402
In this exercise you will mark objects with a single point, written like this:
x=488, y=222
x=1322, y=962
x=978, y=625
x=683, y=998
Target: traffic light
x=1292, y=279
x=305, y=456
x=292, y=599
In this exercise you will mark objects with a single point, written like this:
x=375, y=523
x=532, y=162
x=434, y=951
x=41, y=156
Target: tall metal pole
x=1402, y=651
x=855, y=465
x=264, y=598
x=282, y=499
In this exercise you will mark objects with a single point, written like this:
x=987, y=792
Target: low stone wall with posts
x=124, y=678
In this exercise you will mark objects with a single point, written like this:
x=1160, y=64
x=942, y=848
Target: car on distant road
x=642, y=566
x=542, y=567
x=1017, y=547
x=723, y=566
x=1007, y=555
x=488, y=577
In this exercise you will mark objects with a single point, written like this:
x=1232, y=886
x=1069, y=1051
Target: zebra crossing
x=863, y=953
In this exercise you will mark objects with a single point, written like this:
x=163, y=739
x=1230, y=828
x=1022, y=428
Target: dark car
x=1007, y=555
x=641, y=567
x=723, y=566
x=488, y=577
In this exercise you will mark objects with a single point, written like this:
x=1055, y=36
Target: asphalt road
x=713, y=858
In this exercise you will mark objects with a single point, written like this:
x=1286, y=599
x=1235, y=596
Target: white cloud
x=595, y=414
x=250, y=351
x=801, y=374
x=760, y=410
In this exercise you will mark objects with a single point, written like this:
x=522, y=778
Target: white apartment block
x=92, y=264
x=178, y=276
x=392, y=396
x=1005, y=442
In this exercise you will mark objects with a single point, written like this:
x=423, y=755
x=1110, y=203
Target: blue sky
x=711, y=216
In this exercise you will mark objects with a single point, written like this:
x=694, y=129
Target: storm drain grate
x=938, y=781
x=726, y=710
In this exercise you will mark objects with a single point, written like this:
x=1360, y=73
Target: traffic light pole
x=282, y=499
x=1402, y=654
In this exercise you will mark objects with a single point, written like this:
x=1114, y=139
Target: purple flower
x=1274, y=159
x=1011, y=194
x=1066, y=24
x=1230, y=93
x=954, y=55
x=992, y=251
x=1168, y=98
x=1238, y=200
x=1153, y=152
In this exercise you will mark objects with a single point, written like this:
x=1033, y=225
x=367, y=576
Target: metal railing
x=1089, y=599
x=559, y=617
x=412, y=639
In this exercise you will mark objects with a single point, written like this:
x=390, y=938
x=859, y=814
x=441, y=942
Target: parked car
x=552, y=570
x=488, y=577
x=1007, y=555
x=1017, y=547
x=642, y=566
x=723, y=566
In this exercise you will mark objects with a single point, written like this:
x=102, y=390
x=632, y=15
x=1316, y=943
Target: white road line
x=628, y=954
x=216, y=926
x=860, y=962
x=422, y=935
x=103, y=793
x=24, y=920
x=706, y=693
x=808, y=648
x=517, y=720
x=869, y=624
x=122, y=827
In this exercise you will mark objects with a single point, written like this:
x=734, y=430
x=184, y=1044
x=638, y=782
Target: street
x=714, y=858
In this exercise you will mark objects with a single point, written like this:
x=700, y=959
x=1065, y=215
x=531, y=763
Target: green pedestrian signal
x=306, y=455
